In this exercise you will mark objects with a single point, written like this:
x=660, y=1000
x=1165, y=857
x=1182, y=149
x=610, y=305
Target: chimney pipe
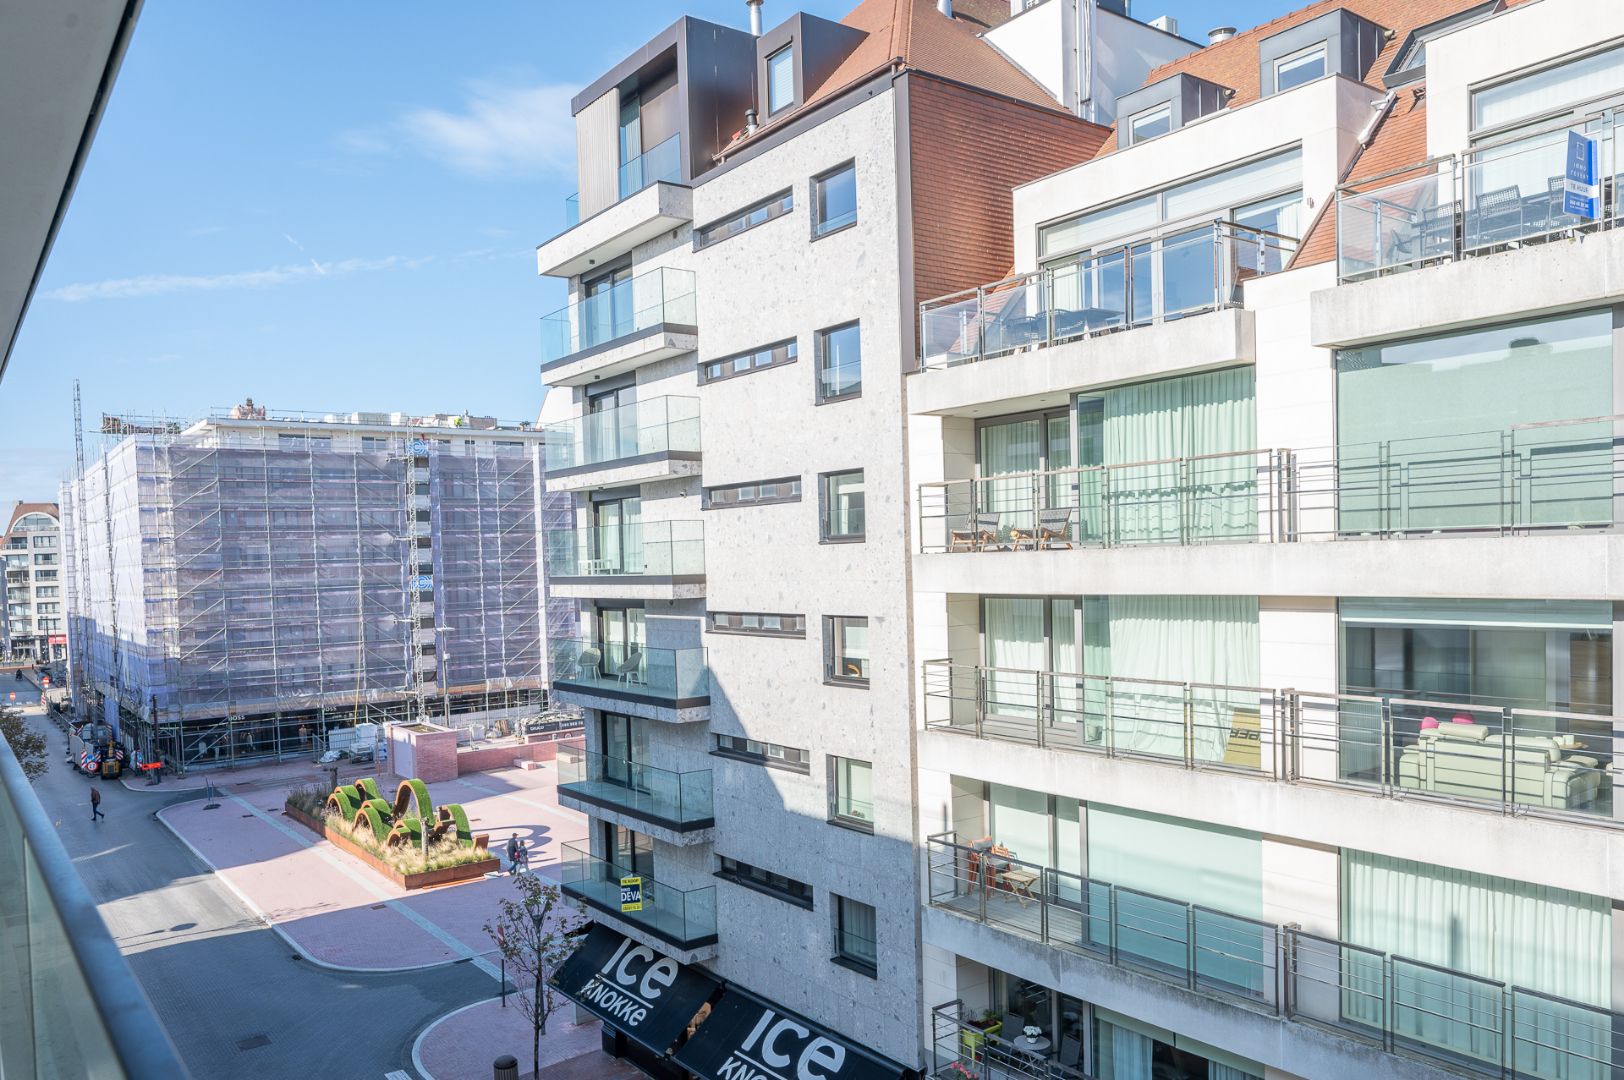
x=755, y=16
x=945, y=7
x=750, y=121
x=1220, y=33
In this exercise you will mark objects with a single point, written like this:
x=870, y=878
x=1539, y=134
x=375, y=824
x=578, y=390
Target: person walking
x=524, y=857
x=95, y=804
x=513, y=853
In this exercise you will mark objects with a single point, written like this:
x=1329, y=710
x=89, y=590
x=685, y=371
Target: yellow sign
x=631, y=894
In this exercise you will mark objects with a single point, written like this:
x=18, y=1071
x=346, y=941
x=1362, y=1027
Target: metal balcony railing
x=587, y=666
x=634, y=306
x=1180, y=273
x=1396, y=1003
x=649, y=549
x=685, y=918
x=662, y=425
x=1534, y=761
x=681, y=800
x=1488, y=199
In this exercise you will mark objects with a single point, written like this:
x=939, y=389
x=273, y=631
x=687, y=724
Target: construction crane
x=76, y=641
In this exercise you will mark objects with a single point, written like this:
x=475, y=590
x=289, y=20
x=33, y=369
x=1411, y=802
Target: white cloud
x=500, y=130
x=161, y=284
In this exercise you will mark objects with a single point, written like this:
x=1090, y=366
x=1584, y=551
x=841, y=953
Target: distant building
x=33, y=628
x=244, y=583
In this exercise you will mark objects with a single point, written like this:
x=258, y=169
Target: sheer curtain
x=1217, y=1070
x=1010, y=448
x=1013, y=631
x=1124, y=1054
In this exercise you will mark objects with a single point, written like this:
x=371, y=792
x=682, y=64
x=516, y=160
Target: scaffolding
x=261, y=579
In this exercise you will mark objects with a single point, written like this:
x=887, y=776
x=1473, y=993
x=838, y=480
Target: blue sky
x=332, y=207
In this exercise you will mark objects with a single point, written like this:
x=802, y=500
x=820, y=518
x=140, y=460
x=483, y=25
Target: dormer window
x=1150, y=123
x=781, y=80
x=1299, y=68
x=1165, y=106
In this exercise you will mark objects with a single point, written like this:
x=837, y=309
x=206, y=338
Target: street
x=234, y=998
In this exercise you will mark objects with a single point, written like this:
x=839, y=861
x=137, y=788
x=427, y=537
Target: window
x=48, y=609
x=840, y=363
x=44, y=560
x=851, y=793
x=773, y=206
x=44, y=541
x=845, y=649
x=45, y=575
x=840, y=496
x=1299, y=68
x=855, y=931
x=1149, y=124
x=761, y=753
x=834, y=200
x=45, y=591
x=1549, y=93
x=760, y=492
x=765, y=881
x=768, y=356
x=781, y=80
x=755, y=622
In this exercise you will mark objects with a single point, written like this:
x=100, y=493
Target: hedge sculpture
x=366, y=814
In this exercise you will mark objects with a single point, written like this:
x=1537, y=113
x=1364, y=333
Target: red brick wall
x=500, y=757
x=968, y=149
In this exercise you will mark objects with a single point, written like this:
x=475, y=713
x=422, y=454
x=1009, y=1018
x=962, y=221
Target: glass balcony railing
x=634, y=306
x=650, y=549
x=659, y=163
x=1148, y=281
x=681, y=800
x=685, y=918
x=572, y=210
x=1444, y=1015
x=1533, y=760
x=662, y=425
x=1483, y=201
x=677, y=676
x=69, y=1005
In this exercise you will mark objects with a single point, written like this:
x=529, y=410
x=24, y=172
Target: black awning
x=750, y=1038
x=634, y=989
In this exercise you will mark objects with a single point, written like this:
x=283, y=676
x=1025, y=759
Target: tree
x=532, y=934
x=28, y=746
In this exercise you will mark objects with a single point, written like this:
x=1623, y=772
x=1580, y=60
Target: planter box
x=422, y=880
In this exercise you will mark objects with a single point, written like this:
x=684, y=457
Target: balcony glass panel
x=620, y=668
x=634, y=306
x=632, y=549
x=662, y=163
x=686, y=918
x=656, y=426
x=681, y=799
x=572, y=211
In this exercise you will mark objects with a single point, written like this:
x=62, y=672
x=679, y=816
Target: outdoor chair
x=1071, y=1052
x=979, y=531
x=1496, y=217
x=588, y=662
x=631, y=669
x=1053, y=529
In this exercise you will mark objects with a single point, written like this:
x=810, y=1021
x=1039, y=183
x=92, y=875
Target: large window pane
x=1549, y=91
x=840, y=362
x=836, y=202
x=780, y=80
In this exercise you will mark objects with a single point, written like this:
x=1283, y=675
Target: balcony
x=685, y=919
x=652, y=560
x=639, y=321
x=1506, y=760
x=652, y=199
x=677, y=802
x=661, y=684
x=1487, y=200
x=1442, y=1016
x=655, y=439
x=69, y=1005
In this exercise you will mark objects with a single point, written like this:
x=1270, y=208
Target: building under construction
x=240, y=585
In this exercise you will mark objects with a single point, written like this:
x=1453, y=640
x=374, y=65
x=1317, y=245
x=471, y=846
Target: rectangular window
x=47, y=590
x=781, y=80
x=45, y=575
x=855, y=933
x=851, y=793
x=44, y=560
x=795, y=892
x=764, y=753
x=845, y=649
x=760, y=213
x=44, y=541
x=840, y=362
x=1299, y=68
x=757, y=493
x=840, y=496
x=1551, y=92
x=756, y=622
x=834, y=200
x=1149, y=124
x=768, y=356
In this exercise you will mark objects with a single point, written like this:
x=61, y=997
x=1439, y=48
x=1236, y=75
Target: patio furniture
x=631, y=669
x=979, y=531
x=1075, y=323
x=588, y=662
x=1020, y=882
x=1496, y=217
x=597, y=567
x=1472, y=761
x=1053, y=528
x=1071, y=1052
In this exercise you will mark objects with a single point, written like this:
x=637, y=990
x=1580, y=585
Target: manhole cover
x=253, y=1042
x=378, y=907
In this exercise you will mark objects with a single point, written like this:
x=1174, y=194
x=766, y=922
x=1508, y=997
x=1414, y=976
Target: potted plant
x=985, y=1024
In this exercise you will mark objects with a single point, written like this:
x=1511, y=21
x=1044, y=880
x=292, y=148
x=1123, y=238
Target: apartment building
x=1264, y=608
x=759, y=215
x=33, y=628
x=244, y=583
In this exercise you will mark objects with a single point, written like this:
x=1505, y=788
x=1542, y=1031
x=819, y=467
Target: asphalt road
x=232, y=995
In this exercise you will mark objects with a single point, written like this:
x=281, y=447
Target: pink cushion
x=1428, y=723
x=1461, y=718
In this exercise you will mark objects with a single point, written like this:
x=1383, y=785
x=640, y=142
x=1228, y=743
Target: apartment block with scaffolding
x=242, y=585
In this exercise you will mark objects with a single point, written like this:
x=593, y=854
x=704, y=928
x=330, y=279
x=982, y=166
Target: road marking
x=397, y=1074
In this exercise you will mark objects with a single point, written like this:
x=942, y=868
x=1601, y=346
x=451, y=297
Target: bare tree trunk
x=540, y=1026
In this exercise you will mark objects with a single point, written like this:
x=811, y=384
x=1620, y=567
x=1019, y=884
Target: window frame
x=801, y=765
x=779, y=204
x=787, y=51
x=833, y=625
x=1154, y=112
x=739, y=874
x=820, y=340
x=825, y=504
x=1323, y=48
x=848, y=821
x=844, y=957
x=757, y=631
x=708, y=493
x=823, y=229
x=791, y=352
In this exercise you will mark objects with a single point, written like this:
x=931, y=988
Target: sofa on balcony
x=1471, y=761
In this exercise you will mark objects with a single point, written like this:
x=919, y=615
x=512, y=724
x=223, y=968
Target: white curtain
x=1217, y=1070
x=1013, y=628
x=1011, y=448
x=1124, y=1054
x=1548, y=940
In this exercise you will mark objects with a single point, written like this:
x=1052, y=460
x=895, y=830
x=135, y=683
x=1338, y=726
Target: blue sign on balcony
x=419, y=448
x=1581, y=195
x=423, y=583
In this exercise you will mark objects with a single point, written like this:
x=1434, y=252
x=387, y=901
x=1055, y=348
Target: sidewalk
x=290, y=774
x=462, y=1045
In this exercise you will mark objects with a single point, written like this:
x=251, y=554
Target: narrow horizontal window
x=760, y=213
x=764, y=753
x=756, y=493
x=795, y=892
x=768, y=356
x=758, y=622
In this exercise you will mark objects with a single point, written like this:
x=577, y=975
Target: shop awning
x=634, y=989
x=750, y=1038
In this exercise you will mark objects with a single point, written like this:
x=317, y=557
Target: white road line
x=397, y=1074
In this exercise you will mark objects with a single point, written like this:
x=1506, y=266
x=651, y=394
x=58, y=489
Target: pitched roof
x=23, y=509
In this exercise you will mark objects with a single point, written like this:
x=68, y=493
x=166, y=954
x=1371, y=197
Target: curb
x=271, y=925
x=417, y=1060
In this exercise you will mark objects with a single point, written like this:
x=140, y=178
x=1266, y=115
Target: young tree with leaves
x=28, y=746
x=531, y=933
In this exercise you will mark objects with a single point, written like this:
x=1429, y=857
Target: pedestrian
x=513, y=853
x=524, y=857
x=95, y=803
